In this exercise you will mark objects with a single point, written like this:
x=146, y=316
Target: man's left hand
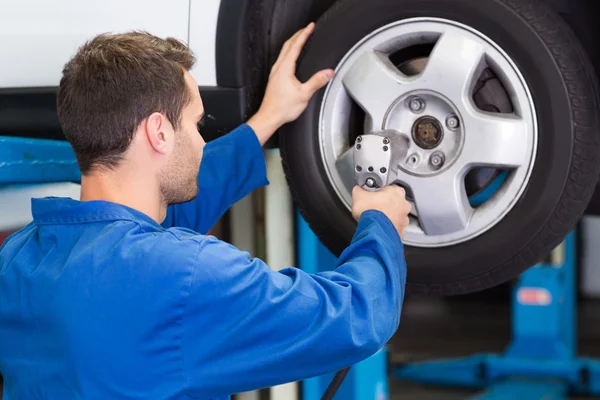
x=285, y=96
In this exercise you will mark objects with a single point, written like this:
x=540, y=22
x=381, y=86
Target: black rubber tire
x=567, y=167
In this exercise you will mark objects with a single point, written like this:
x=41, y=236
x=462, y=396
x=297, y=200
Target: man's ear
x=159, y=132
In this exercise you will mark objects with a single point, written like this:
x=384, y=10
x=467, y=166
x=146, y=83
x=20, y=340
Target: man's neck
x=134, y=192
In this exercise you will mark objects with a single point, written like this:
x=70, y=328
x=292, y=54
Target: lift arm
x=37, y=161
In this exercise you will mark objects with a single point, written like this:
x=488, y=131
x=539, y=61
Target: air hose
x=335, y=384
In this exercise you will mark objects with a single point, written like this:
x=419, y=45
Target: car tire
x=565, y=168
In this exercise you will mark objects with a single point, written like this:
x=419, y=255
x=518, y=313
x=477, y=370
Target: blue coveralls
x=98, y=301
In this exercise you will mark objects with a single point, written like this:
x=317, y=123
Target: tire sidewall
x=348, y=23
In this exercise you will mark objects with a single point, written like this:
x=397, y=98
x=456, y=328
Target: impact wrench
x=375, y=154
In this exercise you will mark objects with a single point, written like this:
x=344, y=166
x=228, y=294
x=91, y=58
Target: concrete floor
x=433, y=328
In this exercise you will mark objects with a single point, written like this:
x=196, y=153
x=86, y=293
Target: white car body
x=37, y=37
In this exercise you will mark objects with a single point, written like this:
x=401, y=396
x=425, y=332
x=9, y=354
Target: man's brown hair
x=112, y=84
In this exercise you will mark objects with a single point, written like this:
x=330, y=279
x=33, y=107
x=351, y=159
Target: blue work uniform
x=99, y=301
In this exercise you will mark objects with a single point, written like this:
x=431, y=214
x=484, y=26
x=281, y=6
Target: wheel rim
x=451, y=137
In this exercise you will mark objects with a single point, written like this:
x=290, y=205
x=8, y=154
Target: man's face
x=179, y=180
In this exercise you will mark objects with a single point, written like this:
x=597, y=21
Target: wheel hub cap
x=427, y=132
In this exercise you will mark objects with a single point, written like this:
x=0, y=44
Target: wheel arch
x=250, y=34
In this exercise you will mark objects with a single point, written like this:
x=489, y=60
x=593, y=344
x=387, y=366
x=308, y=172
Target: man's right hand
x=390, y=200
x=286, y=97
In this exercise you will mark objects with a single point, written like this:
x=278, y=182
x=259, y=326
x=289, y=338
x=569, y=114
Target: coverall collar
x=63, y=210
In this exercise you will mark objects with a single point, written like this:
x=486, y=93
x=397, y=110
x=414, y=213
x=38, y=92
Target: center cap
x=427, y=132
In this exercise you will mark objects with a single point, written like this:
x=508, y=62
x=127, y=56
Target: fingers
x=286, y=47
x=397, y=190
x=407, y=207
x=298, y=39
x=289, y=55
x=357, y=208
x=400, y=190
x=405, y=224
x=356, y=191
x=317, y=81
x=391, y=200
x=298, y=43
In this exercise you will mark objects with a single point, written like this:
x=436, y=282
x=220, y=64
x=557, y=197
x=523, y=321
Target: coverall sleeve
x=248, y=327
x=232, y=166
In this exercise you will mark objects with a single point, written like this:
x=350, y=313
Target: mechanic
x=122, y=294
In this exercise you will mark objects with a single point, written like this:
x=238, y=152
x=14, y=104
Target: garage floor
x=433, y=328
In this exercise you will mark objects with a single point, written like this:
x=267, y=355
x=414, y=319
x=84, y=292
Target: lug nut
x=416, y=104
x=413, y=160
x=359, y=139
x=358, y=146
x=358, y=168
x=386, y=141
x=383, y=170
x=370, y=169
x=452, y=122
x=437, y=160
x=385, y=148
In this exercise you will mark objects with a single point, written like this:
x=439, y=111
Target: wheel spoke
x=345, y=167
x=375, y=83
x=441, y=202
x=453, y=66
x=495, y=140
